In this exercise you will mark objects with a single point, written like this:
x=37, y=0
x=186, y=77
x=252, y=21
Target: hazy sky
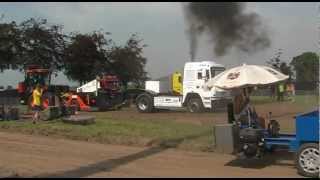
x=293, y=27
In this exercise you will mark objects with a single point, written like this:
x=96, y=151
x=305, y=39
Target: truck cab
x=187, y=90
x=196, y=75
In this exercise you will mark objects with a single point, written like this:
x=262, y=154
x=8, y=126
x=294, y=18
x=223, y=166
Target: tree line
x=81, y=56
x=303, y=69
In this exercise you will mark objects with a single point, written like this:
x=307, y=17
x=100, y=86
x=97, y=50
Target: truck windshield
x=215, y=71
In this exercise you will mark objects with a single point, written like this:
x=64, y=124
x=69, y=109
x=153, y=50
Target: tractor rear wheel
x=47, y=100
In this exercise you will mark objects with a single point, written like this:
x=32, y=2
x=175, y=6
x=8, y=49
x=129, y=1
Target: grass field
x=125, y=131
x=305, y=101
x=141, y=129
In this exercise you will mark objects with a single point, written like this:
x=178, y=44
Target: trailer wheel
x=144, y=103
x=307, y=160
x=195, y=105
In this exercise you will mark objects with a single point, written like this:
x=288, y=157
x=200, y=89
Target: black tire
x=46, y=95
x=57, y=101
x=102, y=102
x=303, y=154
x=144, y=103
x=79, y=119
x=75, y=103
x=195, y=105
x=49, y=97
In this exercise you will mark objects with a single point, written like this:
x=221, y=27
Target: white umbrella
x=245, y=76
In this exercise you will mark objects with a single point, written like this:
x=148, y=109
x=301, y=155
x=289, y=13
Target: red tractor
x=34, y=75
x=103, y=93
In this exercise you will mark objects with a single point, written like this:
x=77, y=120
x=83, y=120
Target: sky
x=293, y=27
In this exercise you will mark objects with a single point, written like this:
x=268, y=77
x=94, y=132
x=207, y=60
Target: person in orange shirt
x=36, y=101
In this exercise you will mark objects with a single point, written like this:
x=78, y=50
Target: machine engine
x=251, y=142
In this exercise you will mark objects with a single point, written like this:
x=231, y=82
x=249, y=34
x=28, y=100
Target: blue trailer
x=304, y=143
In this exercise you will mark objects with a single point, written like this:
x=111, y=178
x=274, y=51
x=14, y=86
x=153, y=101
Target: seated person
x=245, y=113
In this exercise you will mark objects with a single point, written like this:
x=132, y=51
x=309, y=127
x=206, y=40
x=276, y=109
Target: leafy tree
x=85, y=56
x=42, y=44
x=89, y=55
x=128, y=61
x=306, y=66
x=9, y=45
x=80, y=56
x=33, y=41
x=280, y=65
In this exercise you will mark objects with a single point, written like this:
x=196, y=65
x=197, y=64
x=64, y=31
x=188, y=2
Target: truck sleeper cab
x=192, y=92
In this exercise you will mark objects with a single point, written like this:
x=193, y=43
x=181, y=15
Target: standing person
x=36, y=96
x=289, y=90
x=293, y=89
x=272, y=92
x=281, y=92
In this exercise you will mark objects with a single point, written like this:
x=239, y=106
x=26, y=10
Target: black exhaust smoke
x=228, y=26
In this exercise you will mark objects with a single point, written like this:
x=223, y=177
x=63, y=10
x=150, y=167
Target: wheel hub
x=143, y=105
x=194, y=107
x=309, y=160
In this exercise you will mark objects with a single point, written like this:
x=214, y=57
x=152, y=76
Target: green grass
x=127, y=131
x=306, y=101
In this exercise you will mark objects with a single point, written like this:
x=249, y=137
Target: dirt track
x=30, y=156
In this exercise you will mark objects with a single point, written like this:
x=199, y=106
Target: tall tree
x=10, y=45
x=33, y=41
x=128, y=61
x=42, y=44
x=306, y=67
x=280, y=65
x=85, y=56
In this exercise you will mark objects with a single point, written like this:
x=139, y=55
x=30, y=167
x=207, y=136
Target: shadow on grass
x=275, y=158
x=110, y=164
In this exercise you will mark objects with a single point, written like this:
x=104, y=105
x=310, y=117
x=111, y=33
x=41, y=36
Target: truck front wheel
x=144, y=103
x=307, y=160
x=195, y=105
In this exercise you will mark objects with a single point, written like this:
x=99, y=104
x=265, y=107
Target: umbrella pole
x=249, y=118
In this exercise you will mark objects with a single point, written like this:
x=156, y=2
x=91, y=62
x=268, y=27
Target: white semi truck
x=188, y=91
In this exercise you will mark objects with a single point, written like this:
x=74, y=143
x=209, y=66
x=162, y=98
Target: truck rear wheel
x=144, y=103
x=307, y=160
x=195, y=105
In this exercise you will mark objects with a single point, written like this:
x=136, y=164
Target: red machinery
x=103, y=93
x=34, y=75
